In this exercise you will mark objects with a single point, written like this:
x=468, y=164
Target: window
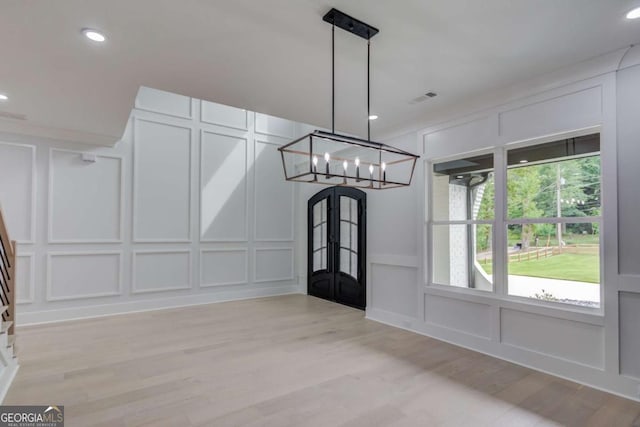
x=549, y=221
x=553, y=221
x=462, y=227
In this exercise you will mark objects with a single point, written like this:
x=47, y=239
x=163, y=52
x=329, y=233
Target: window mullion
x=500, y=230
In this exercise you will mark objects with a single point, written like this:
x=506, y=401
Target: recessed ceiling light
x=3, y=97
x=93, y=35
x=459, y=177
x=373, y=117
x=524, y=161
x=634, y=13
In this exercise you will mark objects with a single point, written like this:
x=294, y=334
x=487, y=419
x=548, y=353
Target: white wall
x=600, y=348
x=190, y=207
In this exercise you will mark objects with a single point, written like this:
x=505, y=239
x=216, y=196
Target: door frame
x=333, y=195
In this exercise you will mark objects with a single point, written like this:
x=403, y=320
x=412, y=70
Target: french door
x=337, y=246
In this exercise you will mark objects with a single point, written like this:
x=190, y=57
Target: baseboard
x=390, y=318
x=75, y=313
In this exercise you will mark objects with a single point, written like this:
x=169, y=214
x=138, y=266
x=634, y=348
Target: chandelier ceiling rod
x=333, y=78
x=368, y=90
x=360, y=29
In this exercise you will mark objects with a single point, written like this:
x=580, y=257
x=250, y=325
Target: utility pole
x=559, y=205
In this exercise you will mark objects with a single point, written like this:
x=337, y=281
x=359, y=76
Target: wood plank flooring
x=285, y=361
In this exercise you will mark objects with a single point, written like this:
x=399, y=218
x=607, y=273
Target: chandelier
x=332, y=159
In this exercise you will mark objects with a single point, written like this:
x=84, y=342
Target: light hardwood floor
x=285, y=361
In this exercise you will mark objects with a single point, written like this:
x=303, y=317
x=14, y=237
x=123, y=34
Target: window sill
x=592, y=316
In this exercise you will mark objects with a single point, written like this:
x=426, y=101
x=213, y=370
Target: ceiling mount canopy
x=333, y=159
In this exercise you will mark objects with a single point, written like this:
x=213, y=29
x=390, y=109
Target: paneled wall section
x=599, y=348
x=190, y=207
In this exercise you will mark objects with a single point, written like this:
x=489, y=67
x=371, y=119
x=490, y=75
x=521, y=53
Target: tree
x=486, y=212
x=523, y=185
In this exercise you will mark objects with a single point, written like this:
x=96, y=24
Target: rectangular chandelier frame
x=338, y=160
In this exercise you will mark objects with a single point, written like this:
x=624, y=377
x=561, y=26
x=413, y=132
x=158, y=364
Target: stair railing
x=7, y=276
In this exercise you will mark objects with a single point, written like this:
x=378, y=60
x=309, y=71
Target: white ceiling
x=273, y=56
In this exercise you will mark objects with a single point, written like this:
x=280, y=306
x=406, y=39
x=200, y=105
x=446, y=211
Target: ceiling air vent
x=7, y=115
x=423, y=98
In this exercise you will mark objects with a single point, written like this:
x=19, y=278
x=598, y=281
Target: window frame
x=501, y=220
x=431, y=223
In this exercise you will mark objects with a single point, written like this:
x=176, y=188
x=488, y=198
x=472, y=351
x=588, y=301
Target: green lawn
x=581, y=268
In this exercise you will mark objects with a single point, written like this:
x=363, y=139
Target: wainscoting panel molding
x=275, y=196
x=83, y=275
x=162, y=182
x=18, y=200
x=223, y=115
x=273, y=265
x=224, y=267
x=223, y=188
x=161, y=270
x=25, y=278
x=86, y=199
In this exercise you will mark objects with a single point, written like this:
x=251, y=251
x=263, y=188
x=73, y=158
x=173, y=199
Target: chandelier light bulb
x=384, y=173
x=371, y=175
x=315, y=160
x=326, y=168
x=357, y=162
x=345, y=165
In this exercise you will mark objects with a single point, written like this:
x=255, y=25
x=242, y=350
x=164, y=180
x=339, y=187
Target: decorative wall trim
x=164, y=113
x=459, y=328
x=264, y=132
x=135, y=190
x=49, y=284
x=395, y=260
x=571, y=125
x=629, y=283
x=213, y=285
x=398, y=261
x=176, y=301
x=389, y=318
x=291, y=236
x=34, y=185
x=32, y=279
x=246, y=191
x=121, y=201
x=215, y=123
x=516, y=303
x=275, y=279
x=559, y=324
x=135, y=253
